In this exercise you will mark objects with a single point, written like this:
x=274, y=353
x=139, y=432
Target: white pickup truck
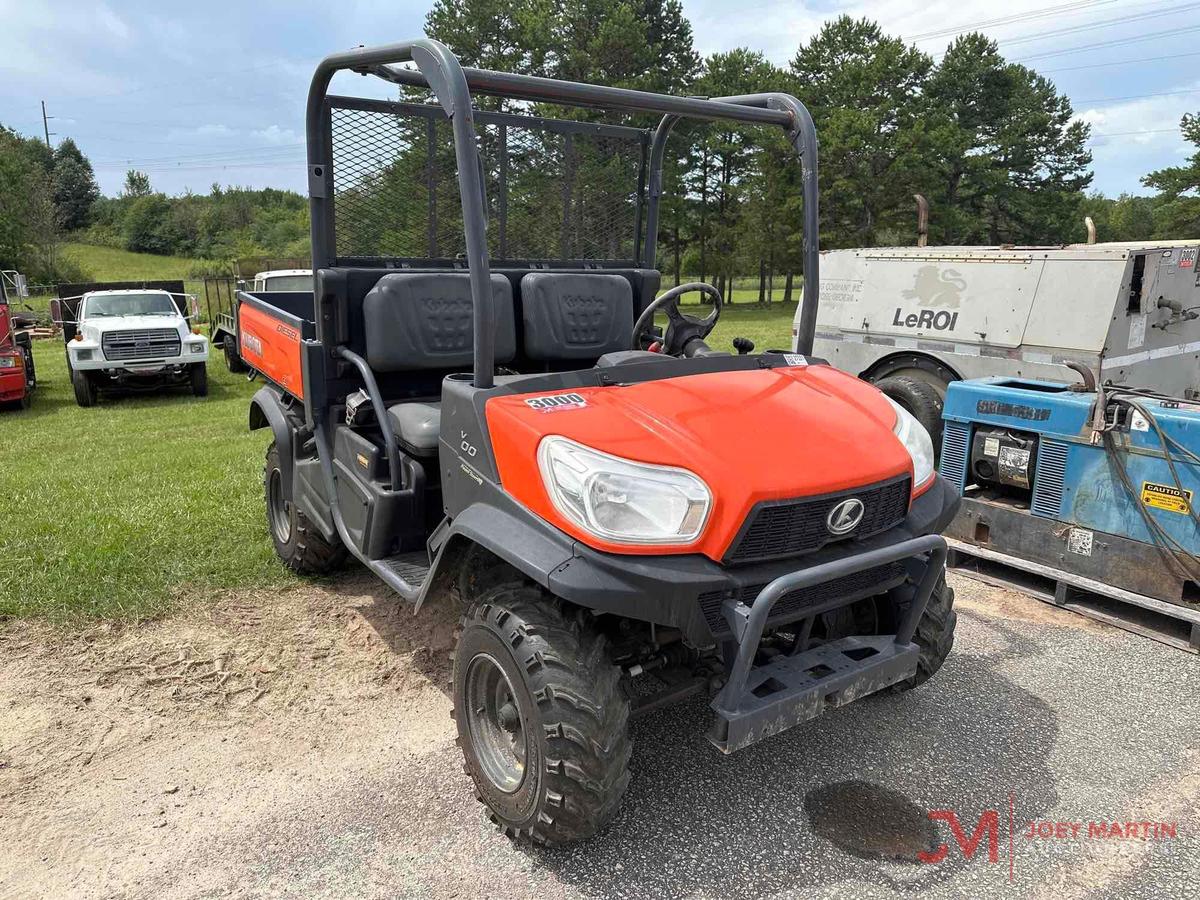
x=134, y=340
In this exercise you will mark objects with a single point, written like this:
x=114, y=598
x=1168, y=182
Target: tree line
x=994, y=147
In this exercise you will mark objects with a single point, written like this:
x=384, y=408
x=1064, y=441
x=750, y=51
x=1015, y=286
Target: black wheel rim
x=497, y=730
x=281, y=519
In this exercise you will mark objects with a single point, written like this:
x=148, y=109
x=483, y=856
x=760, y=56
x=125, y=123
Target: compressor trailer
x=1083, y=496
x=477, y=406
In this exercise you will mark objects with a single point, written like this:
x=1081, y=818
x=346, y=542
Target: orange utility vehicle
x=476, y=404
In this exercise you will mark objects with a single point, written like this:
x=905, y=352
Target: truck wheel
x=297, y=543
x=199, y=379
x=85, y=388
x=542, y=720
x=922, y=400
x=934, y=635
x=233, y=359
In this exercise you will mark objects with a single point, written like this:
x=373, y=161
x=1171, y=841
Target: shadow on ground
x=844, y=796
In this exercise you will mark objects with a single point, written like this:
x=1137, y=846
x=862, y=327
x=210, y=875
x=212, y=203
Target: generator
x=1082, y=495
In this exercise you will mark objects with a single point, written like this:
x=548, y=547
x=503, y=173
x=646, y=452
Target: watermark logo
x=988, y=827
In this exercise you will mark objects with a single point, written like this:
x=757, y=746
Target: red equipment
x=16, y=360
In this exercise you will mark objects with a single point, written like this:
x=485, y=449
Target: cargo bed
x=270, y=327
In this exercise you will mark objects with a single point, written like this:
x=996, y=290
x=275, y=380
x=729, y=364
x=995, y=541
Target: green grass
x=142, y=503
x=113, y=264
x=123, y=510
x=769, y=327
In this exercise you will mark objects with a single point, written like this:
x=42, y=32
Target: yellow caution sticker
x=1164, y=496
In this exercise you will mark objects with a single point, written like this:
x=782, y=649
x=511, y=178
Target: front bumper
x=732, y=608
x=757, y=702
x=12, y=384
x=88, y=357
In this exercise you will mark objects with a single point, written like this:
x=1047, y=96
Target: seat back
x=575, y=315
x=424, y=320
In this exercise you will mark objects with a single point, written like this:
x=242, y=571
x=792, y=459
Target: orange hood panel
x=770, y=434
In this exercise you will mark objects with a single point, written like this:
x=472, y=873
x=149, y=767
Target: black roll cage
x=438, y=70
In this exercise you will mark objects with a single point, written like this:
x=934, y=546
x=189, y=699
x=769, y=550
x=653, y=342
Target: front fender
x=512, y=533
x=659, y=589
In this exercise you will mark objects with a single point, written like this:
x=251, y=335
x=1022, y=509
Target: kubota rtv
x=475, y=404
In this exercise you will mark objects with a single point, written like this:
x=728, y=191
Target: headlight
x=83, y=355
x=916, y=441
x=620, y=500
x=198, y=348
x=9, y=362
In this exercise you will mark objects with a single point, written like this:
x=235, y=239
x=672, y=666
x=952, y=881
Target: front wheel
x=199, y=380
x=297, y=543
x=542, y=720
x=85, y=388
x=934, y=636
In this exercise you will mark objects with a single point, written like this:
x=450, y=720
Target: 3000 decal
x=556, y=402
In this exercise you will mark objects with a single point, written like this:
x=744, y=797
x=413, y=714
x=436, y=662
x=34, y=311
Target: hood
x=770, y=434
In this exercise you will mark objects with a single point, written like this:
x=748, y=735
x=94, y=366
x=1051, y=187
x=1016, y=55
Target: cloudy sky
x=194, y=93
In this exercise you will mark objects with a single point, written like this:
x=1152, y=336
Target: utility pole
x=46, y=124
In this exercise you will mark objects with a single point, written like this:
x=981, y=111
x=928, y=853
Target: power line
x=1014, y=19
x=231, y=153
x=1128, y=133
x=1137, y=96
x=1155, y=35
x=162, y=168
x=1120, y=62
x=1090, y=26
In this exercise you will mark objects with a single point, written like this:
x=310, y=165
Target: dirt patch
x=141, y=722
x=1001, y=603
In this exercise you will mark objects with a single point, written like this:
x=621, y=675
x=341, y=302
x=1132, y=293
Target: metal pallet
x=1169, y=623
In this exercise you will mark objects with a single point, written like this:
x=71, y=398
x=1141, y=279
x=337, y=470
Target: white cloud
x=1145, y=121
x=209, y=130
x=273, y=134
x=778, y=28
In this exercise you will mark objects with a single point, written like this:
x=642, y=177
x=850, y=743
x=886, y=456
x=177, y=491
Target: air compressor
x=1088, y=492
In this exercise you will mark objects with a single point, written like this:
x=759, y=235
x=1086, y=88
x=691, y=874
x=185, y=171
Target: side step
x=1169, y=623
x=405, y=573
x=792, y=689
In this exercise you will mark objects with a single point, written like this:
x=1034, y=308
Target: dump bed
x=270, y=327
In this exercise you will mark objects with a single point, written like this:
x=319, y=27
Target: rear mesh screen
x=555, y=190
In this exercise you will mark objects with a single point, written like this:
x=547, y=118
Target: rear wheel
x=233, y=359
x=922, y=400
x=199, y=379
x=85, y=388
x=542, y=720
x=297, y=543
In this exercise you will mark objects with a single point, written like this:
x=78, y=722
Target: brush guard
x=758, y=702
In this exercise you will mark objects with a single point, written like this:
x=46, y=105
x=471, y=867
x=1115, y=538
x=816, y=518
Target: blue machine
x=1097, y=501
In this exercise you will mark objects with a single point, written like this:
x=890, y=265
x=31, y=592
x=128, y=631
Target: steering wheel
x=682, y=330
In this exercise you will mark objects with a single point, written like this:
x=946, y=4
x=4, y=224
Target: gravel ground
x=363, y=794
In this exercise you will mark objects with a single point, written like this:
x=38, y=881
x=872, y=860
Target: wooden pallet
x=1168, y=623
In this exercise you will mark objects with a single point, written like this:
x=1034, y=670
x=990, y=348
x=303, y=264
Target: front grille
x=146, y=343
x=792, y=605
x=789, y=527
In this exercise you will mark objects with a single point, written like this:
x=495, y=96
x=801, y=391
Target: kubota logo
x=845, y=516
